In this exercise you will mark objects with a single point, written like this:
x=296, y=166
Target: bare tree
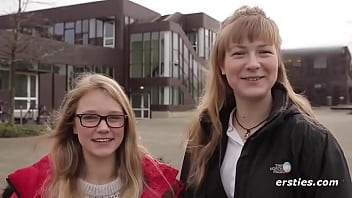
x=17, y=43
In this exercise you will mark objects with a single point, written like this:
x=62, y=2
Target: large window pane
x=21, y=104
x=69, y=25
x=21, y=85
x=4, y=79
x=146, y=54
x=136, y=56
x=78, y=27
x=109, y=29
x=99, y=28
x=59, y=29
x=175, y=56
x=155, y=54
x=109, y=34
x=92, y=29
x=185, y=65
x=206, y=44
x=167, y=50
x=85, y=39
x=155, y=95
x=70, y=36
x=201, y=44
x=85, y=26
x=167, y=95
x=175, y=96
x=33, y=86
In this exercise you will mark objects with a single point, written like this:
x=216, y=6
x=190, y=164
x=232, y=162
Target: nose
x=103, y=126
x=253, y=61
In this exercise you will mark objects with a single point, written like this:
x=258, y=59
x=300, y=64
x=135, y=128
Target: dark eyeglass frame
x=80, y=115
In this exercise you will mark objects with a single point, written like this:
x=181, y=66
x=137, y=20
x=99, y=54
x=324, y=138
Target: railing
x=43, y=115
x=3, y=111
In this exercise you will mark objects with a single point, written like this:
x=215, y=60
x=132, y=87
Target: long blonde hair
x=66, y=154
x=246, y=23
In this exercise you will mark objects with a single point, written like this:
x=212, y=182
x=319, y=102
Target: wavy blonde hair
x=67, y=157
x=246, y=23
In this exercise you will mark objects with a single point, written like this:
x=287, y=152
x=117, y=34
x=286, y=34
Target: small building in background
x=322, y=74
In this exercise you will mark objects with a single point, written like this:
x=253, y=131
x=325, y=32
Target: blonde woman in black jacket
x=253, y=135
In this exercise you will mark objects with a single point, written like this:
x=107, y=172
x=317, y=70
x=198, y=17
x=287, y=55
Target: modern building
x=159, y=60
x=323, y=74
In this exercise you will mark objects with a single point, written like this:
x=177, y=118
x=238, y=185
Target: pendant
x=246, y=135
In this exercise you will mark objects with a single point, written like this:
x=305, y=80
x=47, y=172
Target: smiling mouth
x=101, y=140
x=253, y=78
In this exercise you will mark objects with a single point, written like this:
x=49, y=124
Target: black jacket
x=307, y=147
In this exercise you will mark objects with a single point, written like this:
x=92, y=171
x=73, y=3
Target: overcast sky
x=302, y=23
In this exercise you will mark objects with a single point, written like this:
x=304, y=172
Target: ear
x=222, y=70
x=74, y=129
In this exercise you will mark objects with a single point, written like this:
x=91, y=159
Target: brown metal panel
x=45, y=91
x=59, y=89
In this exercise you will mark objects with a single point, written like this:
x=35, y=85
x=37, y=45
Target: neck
x=99, y=170
x=250, y=113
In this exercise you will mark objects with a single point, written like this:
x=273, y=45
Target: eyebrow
x=243, y=47
x=109, y=113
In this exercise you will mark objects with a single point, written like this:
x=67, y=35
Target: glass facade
x=165, y=54
x=92, y=31
x=202, y=41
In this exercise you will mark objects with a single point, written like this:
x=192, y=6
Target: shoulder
x=159, y=177
x=310, y=136
x=29, y=179
x=303, y=126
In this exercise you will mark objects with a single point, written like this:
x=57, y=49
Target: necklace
x=248, y=130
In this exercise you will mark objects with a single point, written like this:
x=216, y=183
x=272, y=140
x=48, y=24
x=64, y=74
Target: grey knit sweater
x=109, y=190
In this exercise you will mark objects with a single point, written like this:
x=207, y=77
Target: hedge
x=7, y=131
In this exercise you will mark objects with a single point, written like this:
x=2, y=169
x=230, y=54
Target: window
x=78, y=27
x=59, y=29
x=166, y=52
x=70, y=36
x=92, y=28
x=297, y=62
x=136, y=56
x=127, y=20
x=109, y=34
x=26, y=91
x=320, y=62
x=99, y=28
x=69, y=25
x=4, y=79
x=155, y=54
x=146, y=54
x=175, y=56
x=201, y=44
x=85, y=26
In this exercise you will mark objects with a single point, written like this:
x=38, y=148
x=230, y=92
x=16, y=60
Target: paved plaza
x=162, y=137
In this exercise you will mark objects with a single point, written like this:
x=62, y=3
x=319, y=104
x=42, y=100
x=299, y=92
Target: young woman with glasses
x=95, y=151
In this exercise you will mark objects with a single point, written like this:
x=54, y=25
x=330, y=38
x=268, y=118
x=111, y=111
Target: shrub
x=7, y=130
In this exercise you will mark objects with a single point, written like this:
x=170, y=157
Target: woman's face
x=251, y=69
x=99, y=141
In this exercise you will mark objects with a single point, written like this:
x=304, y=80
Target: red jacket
x=28, y=181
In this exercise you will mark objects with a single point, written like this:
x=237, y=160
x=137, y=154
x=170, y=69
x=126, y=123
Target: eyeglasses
x=93, y=120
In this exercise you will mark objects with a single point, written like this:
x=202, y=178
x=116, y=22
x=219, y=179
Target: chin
x=104, y=154
x=255, y=95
